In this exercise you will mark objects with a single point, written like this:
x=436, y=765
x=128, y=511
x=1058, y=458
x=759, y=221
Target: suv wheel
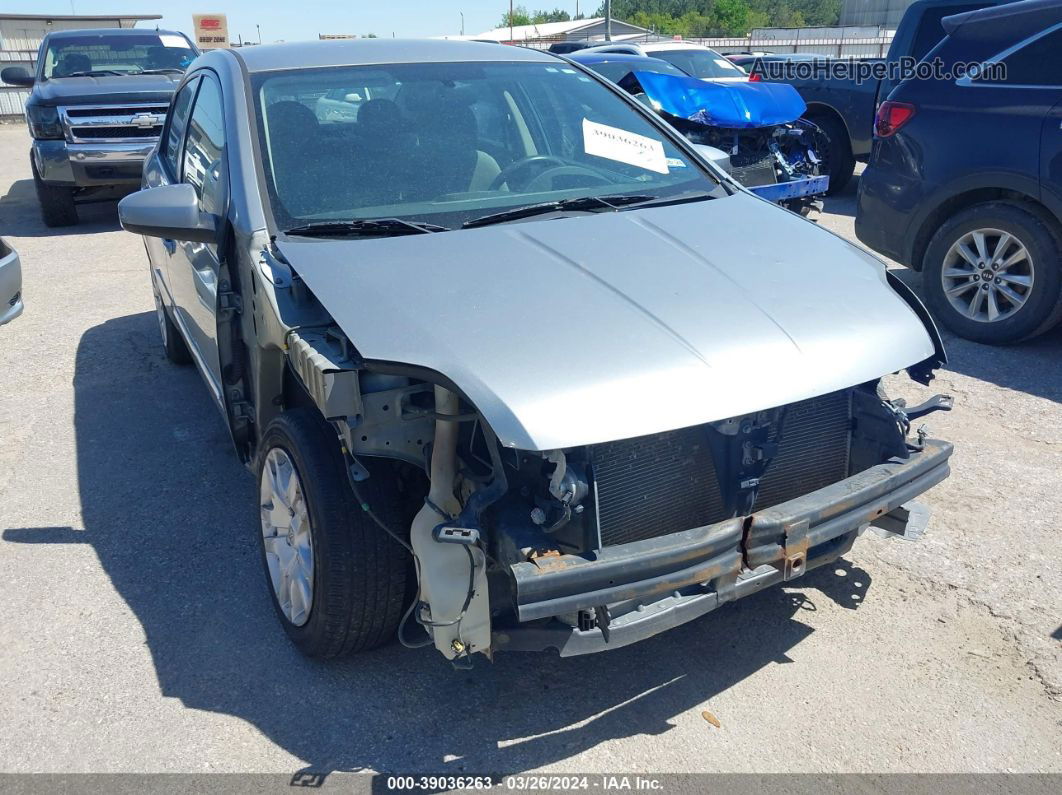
x=338, y=581
x=993, y=274
x=172, y=341
x=56, y=201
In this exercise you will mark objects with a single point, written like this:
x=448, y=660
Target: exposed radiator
x=654, y=485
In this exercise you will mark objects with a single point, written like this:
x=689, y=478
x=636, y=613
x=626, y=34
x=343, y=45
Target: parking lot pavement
x=138, y=635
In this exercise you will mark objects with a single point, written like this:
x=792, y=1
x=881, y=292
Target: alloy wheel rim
x=988, y=275
x=286, y=536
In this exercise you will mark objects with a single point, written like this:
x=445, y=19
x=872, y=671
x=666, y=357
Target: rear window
x=1038, y=63
x=700, y=63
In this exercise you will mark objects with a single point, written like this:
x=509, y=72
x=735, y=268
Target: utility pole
x=510, y=21
x=608, y=20
x=462, y=13
x=259, y=27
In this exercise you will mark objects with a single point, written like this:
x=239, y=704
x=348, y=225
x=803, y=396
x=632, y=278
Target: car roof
x=85, y=32
x=1027, y=15
x=650, y=46
x=613, y=57
x=367, y=52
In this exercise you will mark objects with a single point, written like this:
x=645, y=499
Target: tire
x=840, y=163
x=359, y=574
x=1041, y=305
x=172, y=341
x=56, y=201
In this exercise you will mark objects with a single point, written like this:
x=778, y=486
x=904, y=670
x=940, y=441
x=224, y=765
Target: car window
x=699, y=63
x=1038, y=63
x=175, y=127
x=204, y=150
x=444, y=143
x=617, y=70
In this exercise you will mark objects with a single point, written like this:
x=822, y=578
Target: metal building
x=886, y=13
x=20, y=37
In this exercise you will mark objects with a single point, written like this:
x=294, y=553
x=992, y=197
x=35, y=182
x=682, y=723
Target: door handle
x=171, y=245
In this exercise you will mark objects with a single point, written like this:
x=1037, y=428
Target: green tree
x=556, y=15
x=519, y=17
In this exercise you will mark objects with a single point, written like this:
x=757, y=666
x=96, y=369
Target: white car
x=10, y=283
x=693, y=59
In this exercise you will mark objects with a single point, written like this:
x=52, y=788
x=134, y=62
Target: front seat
x=384, y=171
x=453, y=163
x=71, y=63
x=292, y=130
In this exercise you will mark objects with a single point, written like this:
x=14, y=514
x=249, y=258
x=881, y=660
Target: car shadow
x=1031, y=366
x=20, y=214
x=171, y=515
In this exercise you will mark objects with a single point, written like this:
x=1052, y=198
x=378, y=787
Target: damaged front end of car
x=597, y=546
x=773, y=151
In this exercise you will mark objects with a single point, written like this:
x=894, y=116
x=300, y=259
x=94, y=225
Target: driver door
x=194, y=267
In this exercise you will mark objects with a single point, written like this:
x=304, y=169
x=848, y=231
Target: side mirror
x=716, y=156
x=17, y=76
x=168, y=211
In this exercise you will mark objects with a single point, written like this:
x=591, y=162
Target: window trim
x=968, y=82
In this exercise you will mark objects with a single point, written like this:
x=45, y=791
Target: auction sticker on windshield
x=613, y=143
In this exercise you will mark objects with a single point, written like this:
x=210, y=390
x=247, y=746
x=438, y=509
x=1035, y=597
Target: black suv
x=965, y=175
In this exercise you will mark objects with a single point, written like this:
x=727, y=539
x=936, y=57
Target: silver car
x=516, y=369
x=10, y=283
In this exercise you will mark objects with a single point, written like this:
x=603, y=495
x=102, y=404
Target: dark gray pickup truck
x=844, y=107
x=98, y=104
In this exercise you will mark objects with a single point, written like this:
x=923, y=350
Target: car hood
x=592, y=328
x=106, y=90
x=735, y=105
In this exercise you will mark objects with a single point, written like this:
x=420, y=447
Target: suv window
x=175, y=131
x=204, y=151
x=1038, y=63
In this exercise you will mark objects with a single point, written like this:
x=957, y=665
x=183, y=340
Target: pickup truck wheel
x=338, y=582
x=840, y=164
x=56, y=201
x=172, y=341
x=993, y=274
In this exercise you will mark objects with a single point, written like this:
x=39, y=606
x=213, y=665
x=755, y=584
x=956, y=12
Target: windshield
x=700, y=63
x=616, y=71
x=449, y=143
x=70, y=56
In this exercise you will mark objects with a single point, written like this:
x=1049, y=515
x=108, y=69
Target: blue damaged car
x=773, y=152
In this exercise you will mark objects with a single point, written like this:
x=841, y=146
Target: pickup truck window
x=204, y=149
x=447, y=143
x=153, y=52
x=175, y=129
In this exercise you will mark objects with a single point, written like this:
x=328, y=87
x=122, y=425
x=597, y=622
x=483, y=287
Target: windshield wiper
x=383, y=227
x=93, y=73
x=579, y=204
x=164, y=71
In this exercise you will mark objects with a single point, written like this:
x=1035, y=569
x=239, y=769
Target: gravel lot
x=138, y=636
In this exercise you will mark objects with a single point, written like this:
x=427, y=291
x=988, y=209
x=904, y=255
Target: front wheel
x=338, y=581
x=993, y=274
x=172, y=342
x=839, y=161
x=56, y=201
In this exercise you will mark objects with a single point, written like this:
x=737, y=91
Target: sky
x=294, y=20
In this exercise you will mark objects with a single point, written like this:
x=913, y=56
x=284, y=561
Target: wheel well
x=816, y=111
x=960, y=202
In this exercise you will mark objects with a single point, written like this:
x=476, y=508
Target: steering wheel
x=521, y=165
x=544, y=181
